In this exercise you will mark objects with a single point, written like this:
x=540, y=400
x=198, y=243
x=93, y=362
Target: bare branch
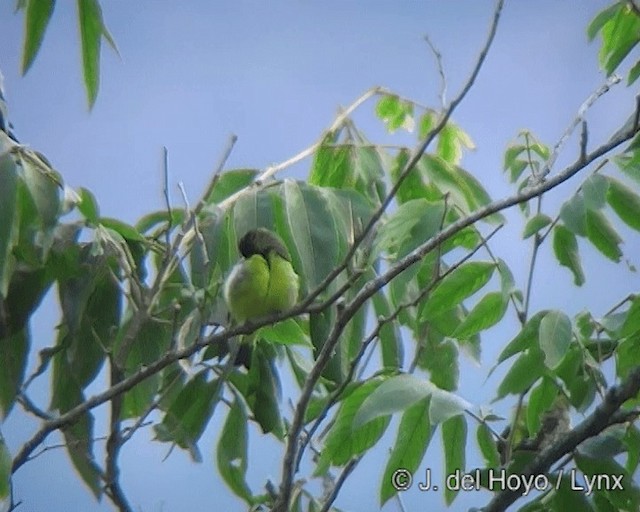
x=443, y=77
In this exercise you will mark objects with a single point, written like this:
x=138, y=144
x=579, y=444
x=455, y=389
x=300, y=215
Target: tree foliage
x=399, y=278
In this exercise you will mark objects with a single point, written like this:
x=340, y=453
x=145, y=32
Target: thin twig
x=443, y=77
x=351, y=465
x=603, y=89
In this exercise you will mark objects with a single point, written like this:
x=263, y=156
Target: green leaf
x=400, y=392
x=263, y=394
x=343, y=441
x=79, y=442
x=395, y=112
x=565, y=247
x=440, y=359
x=566, y=497
x=426, y=123
x=634, y=73
x=535, y=224
x=631, y=323
x=390, y=337
x=414, y=435
x=625, y=498
x=5, y=471
x=525, y=339
x=188, y=414
x=231, y=452
x=540, y=400
x=451, y=142
x=601, y=19
x=91, y=32
x=594, y=190
x=619, y=36
x=14, y=352
x=603, y=236
x=230, y=182
x=9, y=220
x=125, y=230
x=457, y=286
x=88, y=206
x=573, y=214
x=486, y=313
x=625, y=203
x=488, y=447
x=410, y=225
x=454, y=438
x=287, y=332
x=527, y=369
x=394, y=394
x=632, y=443
x=554, y=337
x=37, y=16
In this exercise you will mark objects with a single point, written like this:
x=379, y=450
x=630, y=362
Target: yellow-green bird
x=263, y=282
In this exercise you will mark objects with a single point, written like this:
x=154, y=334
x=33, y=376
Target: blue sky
x=275, y=73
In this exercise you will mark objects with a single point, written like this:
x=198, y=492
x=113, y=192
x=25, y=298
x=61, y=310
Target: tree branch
x=606, y=414
x=374, y=285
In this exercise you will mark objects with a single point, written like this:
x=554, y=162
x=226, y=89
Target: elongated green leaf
x=395, y=394
x=625, y=203
x=5, y=471
x=488, y=447
x=540, y=400
x=37, y=16
x=573, y=215
x=9, y=220
x=631, y=323
x=400, y=392
x=91, y=31
x=594, y=190
x=603, y=236
x=454, y=438
x=287, y=332
x=263, y=395
x=442, y=362
x=619, y=37
x=457, y=286
x=231, y=452
x=410, y=225
x=390, y=337
x=188, y=415
x=451, y=143
x=486, y=313
x=535, y=224
x=79, y=441
x=414, y=435
x=555, y=337
x=230, y=182
x=88, y=206
x=14, y=352
x=601, y=19
x=565, y=247
x=525, y=339
x=527, y=369
x=344, y=441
